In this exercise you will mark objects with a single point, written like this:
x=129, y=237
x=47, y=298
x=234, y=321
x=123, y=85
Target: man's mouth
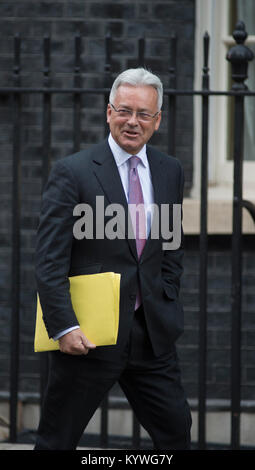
x=130, y=134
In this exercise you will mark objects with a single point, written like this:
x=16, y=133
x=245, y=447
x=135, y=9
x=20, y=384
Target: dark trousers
x=152, y=385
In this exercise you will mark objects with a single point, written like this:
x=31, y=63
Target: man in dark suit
x=122, y=170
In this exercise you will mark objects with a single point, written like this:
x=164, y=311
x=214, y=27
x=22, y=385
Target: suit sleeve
x=172, y=265
x=53, y=249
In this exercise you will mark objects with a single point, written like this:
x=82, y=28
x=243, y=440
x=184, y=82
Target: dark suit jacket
x=79, y=178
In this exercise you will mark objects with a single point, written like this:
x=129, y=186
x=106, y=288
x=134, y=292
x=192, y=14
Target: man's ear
x=158, y=121
x=108, y=112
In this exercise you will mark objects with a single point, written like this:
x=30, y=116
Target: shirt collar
x=121, y=156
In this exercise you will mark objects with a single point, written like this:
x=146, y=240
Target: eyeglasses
x=128, y=113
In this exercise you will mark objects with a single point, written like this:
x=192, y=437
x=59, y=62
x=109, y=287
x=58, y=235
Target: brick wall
x=94, y=19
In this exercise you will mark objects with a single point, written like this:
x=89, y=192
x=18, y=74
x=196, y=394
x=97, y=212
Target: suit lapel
x=157, y=175
x=107, y=173
x=158, y=182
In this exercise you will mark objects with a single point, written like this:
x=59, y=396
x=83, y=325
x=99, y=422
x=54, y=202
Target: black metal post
x=16, y=203
x=107, y=78
x=141, y=51
x=77, y=96
x=136, y=433
x=236, y=292
x=46, y=111
x=46, y=143
x=104, y=422
x=107, y=74
x=239, y=56
x=203, y=256
x=172, y=97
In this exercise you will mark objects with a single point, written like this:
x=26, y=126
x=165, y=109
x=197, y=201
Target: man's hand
x=75, y=342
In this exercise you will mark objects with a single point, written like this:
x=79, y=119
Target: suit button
x=132, y=296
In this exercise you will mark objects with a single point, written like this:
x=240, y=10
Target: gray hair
x=137, y=77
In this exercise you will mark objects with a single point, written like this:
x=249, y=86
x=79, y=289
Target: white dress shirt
x=121, y=158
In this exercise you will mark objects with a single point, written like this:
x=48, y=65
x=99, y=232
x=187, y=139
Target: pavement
x=11, y=446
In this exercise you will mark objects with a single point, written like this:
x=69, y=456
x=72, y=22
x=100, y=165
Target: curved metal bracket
x=250, y=208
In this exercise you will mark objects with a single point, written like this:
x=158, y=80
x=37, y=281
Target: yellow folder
x=95, y=300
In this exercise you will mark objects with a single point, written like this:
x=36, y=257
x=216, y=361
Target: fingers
x=75, y=343
x=87, y=345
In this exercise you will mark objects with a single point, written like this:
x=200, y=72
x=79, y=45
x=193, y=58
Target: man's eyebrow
x=121, y=105
x=142, y=110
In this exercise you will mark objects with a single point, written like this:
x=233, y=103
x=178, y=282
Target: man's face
x=130, y=132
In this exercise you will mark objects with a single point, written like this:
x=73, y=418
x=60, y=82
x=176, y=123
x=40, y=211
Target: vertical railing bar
x=239, y=55
x=104, y=422
x=107, y=73
x=236, y=294
x=136, y=433
x=141, y=51
x=203, y=256
x=46, y=144
x=136, y=424
x=77, y=96
x=16, y=208
x=172, y=98
x=107, y=80
x=46, y=110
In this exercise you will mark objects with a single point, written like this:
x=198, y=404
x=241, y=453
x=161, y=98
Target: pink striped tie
x=137, y=213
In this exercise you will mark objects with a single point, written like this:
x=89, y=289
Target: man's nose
x=133, y=121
